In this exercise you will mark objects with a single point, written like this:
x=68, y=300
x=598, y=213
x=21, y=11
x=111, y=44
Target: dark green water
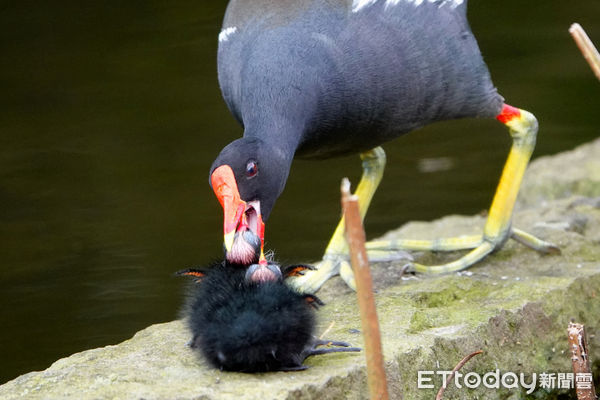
x=110, y=116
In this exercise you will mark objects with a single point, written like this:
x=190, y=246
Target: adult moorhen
x=322, y=78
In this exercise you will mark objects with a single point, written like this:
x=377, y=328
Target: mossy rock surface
x=515, y=306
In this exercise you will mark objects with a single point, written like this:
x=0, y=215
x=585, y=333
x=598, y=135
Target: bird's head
x=247, y=177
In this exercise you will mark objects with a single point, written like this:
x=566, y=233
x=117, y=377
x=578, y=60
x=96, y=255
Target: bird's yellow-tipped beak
x=226, y=190
x=228, y=240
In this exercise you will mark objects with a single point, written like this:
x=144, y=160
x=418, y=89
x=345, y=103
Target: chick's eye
x=251, y=169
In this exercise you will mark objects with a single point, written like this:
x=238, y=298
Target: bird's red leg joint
x=508, y=114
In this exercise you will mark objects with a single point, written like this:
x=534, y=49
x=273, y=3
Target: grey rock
x=575, y=172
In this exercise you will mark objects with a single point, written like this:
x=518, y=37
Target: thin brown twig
x=326, y=331
x=355, y=235
x=589, y=51
x=581, y=362
x=462, y=362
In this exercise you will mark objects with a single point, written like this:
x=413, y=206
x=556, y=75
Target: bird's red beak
x=235, y=217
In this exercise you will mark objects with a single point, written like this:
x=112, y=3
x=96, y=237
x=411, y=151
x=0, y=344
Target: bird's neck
x=280, y=137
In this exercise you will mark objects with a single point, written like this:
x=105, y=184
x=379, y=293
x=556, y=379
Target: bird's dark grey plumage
x=323, y=78
x=315, y=79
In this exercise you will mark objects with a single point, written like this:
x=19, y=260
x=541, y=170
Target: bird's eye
x=251, y=169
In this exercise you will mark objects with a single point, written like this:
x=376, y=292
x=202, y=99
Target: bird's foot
x=395, y=250
x=533, y=242
x=323, y=346
x=480, y=246
x=333, y=264
x=316, y=348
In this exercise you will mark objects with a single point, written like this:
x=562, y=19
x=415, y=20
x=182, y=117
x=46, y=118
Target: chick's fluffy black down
x=243, y=326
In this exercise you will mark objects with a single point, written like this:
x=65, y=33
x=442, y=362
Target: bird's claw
x=312, y=280
x=333, y=264
x=347, y=274
x=321, y=346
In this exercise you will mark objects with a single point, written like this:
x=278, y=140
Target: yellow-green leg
x=523, y=129
x=336, y=258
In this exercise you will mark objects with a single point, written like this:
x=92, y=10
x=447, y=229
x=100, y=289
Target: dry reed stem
x=589, y=51
x=581, y=361
x=462, y=362
x=355, y=236
x=326, y=331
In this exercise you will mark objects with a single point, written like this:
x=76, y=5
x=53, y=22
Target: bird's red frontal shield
x=226, y=190
x=234, y=209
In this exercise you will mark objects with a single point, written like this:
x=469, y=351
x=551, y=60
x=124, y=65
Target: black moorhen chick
x=247, y=326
